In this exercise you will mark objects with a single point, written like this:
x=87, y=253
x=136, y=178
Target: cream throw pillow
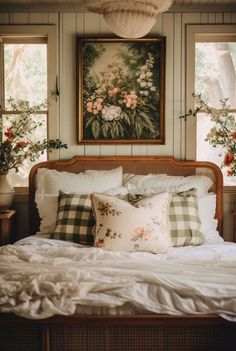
x=140, y=227
x=50, y=182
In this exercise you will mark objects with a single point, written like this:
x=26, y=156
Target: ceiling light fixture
x=129, y=19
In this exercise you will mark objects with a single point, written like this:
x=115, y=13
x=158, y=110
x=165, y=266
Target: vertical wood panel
x=53, y=18
x=104, y=28
x=68, y=131
x=227, y=18
x=91, y=23
x=212, y=18
x=124, y=150
x=35, y=18
x=108, y=150
x=139, y=150
x=20, y=18
x=219, y=18
x=177, y=83
x=92, y=150
x=204, y=18
x=157, y=29
x=45, y=18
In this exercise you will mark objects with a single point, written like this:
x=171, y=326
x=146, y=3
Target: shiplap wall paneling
x=177, y=83
x=67, y=78
x=229, y=207
x=19, y=18
x=227, y=18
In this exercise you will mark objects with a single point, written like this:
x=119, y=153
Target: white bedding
x=40, y=278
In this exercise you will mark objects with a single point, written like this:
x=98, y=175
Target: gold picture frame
x=120, y=90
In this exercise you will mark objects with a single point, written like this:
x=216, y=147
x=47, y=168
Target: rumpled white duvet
x=40, y=278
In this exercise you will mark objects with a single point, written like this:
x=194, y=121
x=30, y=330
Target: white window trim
x=50, y=32
x=194, y=32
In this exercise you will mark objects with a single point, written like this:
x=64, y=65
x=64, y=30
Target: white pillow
x=156, y=183
x=140, y=227
x=51, y=181
x=207, y=207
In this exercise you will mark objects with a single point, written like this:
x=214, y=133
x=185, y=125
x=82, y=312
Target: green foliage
x=17, y=145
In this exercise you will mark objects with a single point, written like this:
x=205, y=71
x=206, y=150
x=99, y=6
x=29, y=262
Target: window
x=213, y=72
x=28, y=74
x=24, y=77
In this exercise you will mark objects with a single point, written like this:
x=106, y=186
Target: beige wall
x=170, y=25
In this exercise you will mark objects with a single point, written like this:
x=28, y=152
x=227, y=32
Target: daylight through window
x=23, y=65
x=215, y=79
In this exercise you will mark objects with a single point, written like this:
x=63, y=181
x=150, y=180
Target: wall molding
x=82, y=8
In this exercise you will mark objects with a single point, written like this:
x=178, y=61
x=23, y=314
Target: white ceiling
x=80, y=5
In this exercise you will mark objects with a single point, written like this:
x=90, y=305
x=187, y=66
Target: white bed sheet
x=40, y=278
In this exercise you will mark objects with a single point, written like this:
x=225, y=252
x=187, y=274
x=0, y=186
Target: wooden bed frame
x=127, y=333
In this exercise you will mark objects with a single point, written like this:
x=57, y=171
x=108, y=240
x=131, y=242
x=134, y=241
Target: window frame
x=197, y=33
x=50, y=33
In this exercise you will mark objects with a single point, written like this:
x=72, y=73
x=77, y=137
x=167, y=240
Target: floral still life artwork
x=121, y=90
x=222, y=134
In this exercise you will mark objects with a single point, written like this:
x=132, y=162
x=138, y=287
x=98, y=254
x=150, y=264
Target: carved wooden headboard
x=130, y=164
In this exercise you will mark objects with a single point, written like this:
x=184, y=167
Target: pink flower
x=138, y=231
x=89, y=106
x=146, y=236
x=142, y=233
x=130, y=100
x=113, y=92
x=95, y=107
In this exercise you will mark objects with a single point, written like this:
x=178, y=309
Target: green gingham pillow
x=75, y=219
x=184, y=219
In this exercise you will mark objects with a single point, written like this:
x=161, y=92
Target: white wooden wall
x=170, y=25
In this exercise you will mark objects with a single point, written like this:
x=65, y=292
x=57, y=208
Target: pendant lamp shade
x=129, y=19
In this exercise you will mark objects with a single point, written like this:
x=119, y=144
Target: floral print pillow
x=143, y=226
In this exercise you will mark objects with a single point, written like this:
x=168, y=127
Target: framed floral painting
x=121, y=90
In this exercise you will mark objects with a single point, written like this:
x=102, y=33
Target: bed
x=117, y=326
